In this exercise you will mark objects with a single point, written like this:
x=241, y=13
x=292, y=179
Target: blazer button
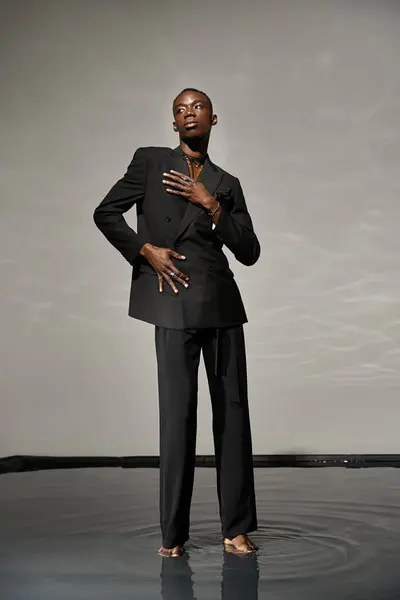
x=177, y=244
x=168, y=218
x=210, y=269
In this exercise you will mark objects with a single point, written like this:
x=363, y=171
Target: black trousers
x=178, y=357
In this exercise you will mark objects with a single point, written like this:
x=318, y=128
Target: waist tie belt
x=228, y=367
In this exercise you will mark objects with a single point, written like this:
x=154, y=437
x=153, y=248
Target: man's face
x=193, y=115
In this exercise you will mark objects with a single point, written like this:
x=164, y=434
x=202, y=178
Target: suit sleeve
x=124, y=194
x=235, y=230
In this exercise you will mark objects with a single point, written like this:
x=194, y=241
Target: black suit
x=167, y=220
x=207, y=316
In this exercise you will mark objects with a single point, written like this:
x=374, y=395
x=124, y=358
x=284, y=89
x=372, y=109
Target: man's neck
x=197, y=149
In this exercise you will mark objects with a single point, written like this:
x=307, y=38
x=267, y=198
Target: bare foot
x=176, y=551
x=241, y=543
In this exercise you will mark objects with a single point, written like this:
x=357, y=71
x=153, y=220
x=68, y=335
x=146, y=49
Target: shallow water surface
x=326, y=533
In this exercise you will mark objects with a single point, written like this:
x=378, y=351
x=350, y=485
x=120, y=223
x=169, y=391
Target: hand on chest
x=170, y=212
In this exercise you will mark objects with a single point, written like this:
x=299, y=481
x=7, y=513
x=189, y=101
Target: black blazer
x=170, y=221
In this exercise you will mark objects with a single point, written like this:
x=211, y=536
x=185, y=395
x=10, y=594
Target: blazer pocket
x=147, y=270
x=221, y=272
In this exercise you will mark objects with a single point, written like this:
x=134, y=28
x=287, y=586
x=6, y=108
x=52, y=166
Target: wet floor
x=93, y=534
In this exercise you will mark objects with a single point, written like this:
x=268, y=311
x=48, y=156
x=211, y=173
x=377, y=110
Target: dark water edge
x=20, y=462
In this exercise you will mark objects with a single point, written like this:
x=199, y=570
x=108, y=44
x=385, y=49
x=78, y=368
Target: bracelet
x=212, y=212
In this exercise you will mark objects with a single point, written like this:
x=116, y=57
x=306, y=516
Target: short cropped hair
x=192, y=90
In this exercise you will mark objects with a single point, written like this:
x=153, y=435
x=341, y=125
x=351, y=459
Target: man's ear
x=214, y=120
x=174, y=126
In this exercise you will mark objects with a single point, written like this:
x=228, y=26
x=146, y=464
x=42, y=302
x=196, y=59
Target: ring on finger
x=172, y=274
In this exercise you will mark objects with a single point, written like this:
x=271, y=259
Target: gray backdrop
x=308, y=99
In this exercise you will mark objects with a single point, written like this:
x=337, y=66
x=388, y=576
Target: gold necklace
x=193, y=161
x=193, y=164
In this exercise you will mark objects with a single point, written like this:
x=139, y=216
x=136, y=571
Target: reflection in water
x=176, y=578
x=240, y=575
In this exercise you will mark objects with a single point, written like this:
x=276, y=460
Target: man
x=187, y=210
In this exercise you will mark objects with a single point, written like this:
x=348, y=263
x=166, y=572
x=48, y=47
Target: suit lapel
x=176, y=163
x=210, y=177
